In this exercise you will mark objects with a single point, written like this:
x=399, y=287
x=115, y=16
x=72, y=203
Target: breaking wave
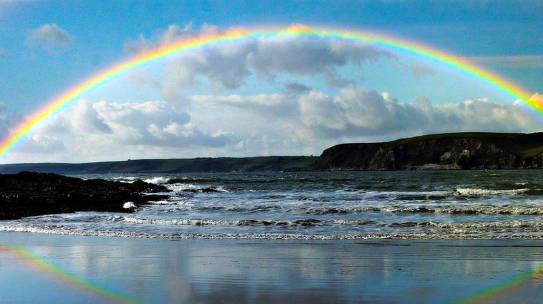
x=400, y=230
x=487, y=192
x=325, y=205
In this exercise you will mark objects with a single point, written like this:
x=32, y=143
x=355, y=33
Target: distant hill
x=469, y=150
x=474, y=150
x=221, y=164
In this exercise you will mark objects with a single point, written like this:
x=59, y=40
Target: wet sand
x=59, y=268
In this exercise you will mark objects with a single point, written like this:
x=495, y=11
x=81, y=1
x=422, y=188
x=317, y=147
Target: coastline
x=268, y=271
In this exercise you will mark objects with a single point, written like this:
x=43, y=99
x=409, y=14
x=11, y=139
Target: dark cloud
x=296, y=88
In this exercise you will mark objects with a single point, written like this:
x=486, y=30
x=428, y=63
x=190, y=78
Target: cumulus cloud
x=367, y=114
x=49, y=37
x=106, y=130
x=276, y=105
x=148, y=123
x=229, y=66
x=307, y=56
x=359, y=112
x=261, y=124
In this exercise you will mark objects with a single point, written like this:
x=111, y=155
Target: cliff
x=439, y=151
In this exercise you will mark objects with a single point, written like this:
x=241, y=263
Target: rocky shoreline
x=31, y=194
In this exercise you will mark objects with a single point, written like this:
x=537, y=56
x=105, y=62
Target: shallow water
x=268, y=271
x=323, y=205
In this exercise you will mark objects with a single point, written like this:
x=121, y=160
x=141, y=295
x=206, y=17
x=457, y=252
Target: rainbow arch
x=61, y=101
x=67, y=278
x=508, y=286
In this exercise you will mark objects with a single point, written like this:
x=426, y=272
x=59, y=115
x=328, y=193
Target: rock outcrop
x=30, y=194
x=439, y=151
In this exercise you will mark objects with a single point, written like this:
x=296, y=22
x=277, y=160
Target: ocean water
x=321, y=205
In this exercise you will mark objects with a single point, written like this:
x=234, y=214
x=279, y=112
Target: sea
x=320, y=206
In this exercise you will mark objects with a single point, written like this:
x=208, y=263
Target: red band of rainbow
x=61, y=101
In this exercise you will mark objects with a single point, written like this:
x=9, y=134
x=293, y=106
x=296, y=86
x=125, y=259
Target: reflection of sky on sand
x=239, y=271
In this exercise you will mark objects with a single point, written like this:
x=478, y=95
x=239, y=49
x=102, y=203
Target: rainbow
x=63, y=276
x=491, y=294
x=63, y=100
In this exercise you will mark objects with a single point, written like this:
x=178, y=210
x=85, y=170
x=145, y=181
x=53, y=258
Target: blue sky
x=47, y=46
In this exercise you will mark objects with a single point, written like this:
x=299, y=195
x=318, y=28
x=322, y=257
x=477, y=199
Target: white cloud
x=113, y=130
x=293, y=119
x=49, y=37
x=84, y=118
x=229, y=66
x=262, y=124
x=151, y=123
x=357, y=114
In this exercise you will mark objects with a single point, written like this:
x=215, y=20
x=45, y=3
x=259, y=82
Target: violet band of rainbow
x=63, y=100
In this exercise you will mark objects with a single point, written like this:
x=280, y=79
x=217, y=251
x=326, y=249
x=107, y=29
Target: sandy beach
x=76, y=269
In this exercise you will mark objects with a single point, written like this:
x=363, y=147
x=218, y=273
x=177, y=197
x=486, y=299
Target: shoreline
x=265, y=237
x=269, y=271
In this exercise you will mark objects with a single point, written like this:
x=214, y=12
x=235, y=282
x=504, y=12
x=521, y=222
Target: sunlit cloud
x=363, y=114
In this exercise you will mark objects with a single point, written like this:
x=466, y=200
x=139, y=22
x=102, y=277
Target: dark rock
x=406, y=224
x=306, y=222
x=31, y=194
x=424, y=210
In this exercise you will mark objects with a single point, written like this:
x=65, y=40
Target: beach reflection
x=240, y=271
